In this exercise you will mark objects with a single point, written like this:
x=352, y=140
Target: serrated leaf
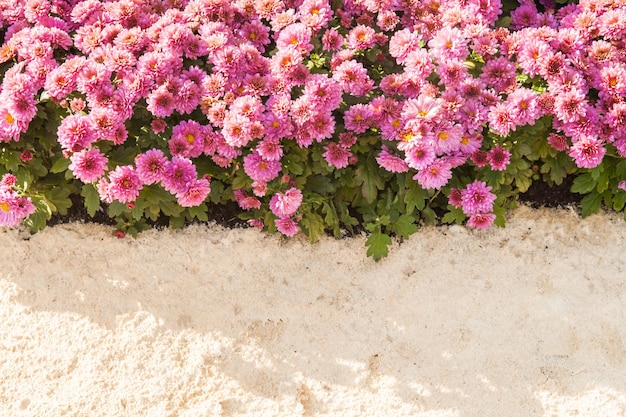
x=367, y=176
x=199, y=212
x=455, y=215
x=583, y=184
x=91, y=199
x=619, y=200
x=378, y=245
x=591, y=204
x=60, y=165
x=312, y=225
x=405, y=226
x=116, y=208
x=415, y=197
x=176, y=222
x=320, y=184
x=59, y=197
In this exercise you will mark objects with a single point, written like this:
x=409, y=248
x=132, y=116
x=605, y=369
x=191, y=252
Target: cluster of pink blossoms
x=476, y=200
x=13, y=207
x=232, y=79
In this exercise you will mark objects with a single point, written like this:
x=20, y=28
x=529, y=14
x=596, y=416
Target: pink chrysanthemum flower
x=391, y=163
x=270, y=150
x=337, y=156
x=558, y=142
x=178, y=173
x=402, y=42
x=361, y=37
x=332, y=40
x=161, y=102
x=287, y=203
x=481, y=221
x=246, y=202
x=436, y=175
x=480, y=158
x=187, y=139
x=455, y=197
x=499, y=158
x=321, y=126
x=477, y=198
x=448, y=43
x=76, y=132
x=287, y=226
x=358, y=118
x=499, y=73
x=296, y=36
x=195, y=194
x=420, y=155
x=151, y=166
x=587, y=152
x=352, y=77
x=124, y=184
x=260, y=169
x=14, y=209
x=570, y=105
x=501, y=119
x=88, y=165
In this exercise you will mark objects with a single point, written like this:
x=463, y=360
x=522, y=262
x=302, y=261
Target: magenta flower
x=587, y=152
x=178, y=174
x=88, y=165
x=477, y=198
x=481, y=221
x=187, y=139
x=420, y=155
x=558, y=142
x=151, y=166
x=124, y=184
x=361, y=37
x=336, y=155
x=499, y=158
x=260, y=169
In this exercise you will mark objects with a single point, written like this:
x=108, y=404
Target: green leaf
x=619, y=200
x=378, y=245
x=583, y=184
x=58, y=196
x=199, y=212
x=91, y=199
x=368, y=177
x=177, y=222
x=116, y=208
x=312, y=225
x=591, y=203
x=405, y=226
x=415, y=197
x=320, y=184
x=455, y=215
x=60, y=165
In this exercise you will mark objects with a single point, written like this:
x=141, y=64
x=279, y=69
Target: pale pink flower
x=337, y=156
x=287, y=203
x=287, y=226
x=587, y=152
x=151, y=166
x=436, y=175
x=391, y=163
x=195, y=194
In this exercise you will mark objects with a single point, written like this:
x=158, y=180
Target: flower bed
x=312, y=116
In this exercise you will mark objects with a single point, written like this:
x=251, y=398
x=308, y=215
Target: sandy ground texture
x=529, y=320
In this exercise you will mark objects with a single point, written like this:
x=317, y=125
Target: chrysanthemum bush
x=312, y=116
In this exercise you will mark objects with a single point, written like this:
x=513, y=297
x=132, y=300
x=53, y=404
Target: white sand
x=524, y=321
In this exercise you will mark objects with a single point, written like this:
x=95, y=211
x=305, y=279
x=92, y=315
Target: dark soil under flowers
x=538, y=195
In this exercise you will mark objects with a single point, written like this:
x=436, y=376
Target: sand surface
x=529, y=320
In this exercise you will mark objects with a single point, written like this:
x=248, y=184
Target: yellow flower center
x=4, y=206
x=443, y=135
x=9, y=118
x=190, y=138
x=275, y=124
x=263, y=166
x=395, y=123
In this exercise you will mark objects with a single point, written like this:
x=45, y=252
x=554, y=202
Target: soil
x=539, y=195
